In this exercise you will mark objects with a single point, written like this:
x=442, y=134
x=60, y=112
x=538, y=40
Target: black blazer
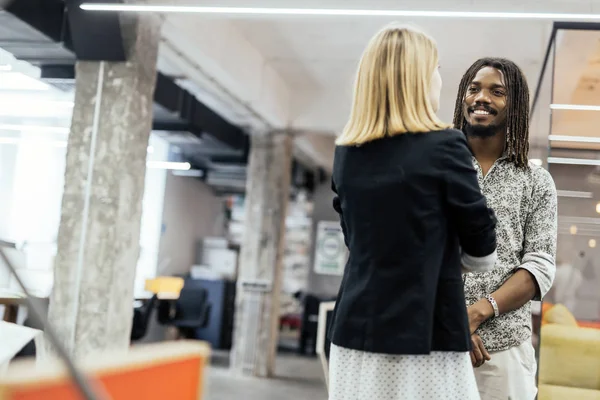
x=406, y=203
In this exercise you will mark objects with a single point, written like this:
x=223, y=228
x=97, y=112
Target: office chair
x=141, y=319
x=189, y=312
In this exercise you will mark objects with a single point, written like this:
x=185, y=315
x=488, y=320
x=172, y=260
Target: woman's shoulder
x=443, y=137
x=447, y=135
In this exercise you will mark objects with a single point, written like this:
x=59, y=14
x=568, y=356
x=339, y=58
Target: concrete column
x=98, y=240
x=260, y=267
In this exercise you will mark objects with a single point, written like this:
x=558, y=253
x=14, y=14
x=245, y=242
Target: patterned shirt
x=526, y=207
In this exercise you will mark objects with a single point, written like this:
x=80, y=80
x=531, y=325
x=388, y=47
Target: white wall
x=191, y=213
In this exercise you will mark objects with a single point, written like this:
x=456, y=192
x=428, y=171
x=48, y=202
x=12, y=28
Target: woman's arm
x=473, y=220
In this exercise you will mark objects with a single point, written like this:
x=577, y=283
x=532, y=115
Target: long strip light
x=584, y=234
x=573, y=161
x=578, y=220
x=13, y=101
x=34, y=128
x=331, y=12
x=574, y=107
x=195, y=173
x=44, y=142
x=37, y=142
x=574, y=139
x=536, y=161
x=178, y=166
x=574, y=194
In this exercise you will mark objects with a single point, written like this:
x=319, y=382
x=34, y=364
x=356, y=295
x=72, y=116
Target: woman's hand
x=479, y=355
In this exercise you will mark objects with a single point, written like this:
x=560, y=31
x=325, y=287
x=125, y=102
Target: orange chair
x=172, y=370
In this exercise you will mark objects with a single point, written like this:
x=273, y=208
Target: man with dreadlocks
x=492, y=109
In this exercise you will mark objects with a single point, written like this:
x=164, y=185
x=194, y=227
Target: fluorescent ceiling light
x=196, y=173
x=536, y=161
x=580, y=229
x=330, y=12
x=181, y=166
x=20, y=101
x=574, y=194
x=30, y=141
x=574, y=107
x=563, y=231
x=574, y=139
x=34, y=128
x=57, y=143
x=34, y=108
x=578, y=220
x=19, y=81
x=573, y=161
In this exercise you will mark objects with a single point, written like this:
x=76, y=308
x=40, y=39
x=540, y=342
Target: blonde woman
x=409, y=201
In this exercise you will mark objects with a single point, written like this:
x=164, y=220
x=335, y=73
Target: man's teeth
x=481, y=112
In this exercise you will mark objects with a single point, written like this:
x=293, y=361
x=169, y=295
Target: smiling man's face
x=484, y=106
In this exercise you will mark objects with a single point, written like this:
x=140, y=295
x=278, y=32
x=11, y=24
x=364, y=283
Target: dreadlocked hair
x=517, y=116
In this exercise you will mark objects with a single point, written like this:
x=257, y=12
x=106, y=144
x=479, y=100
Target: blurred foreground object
x=559, y=315
x=89, y=390
x=14, y=338
x=169, y=370
x=569, y=358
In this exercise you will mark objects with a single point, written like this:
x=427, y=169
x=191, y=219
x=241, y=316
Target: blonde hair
x=391, y=91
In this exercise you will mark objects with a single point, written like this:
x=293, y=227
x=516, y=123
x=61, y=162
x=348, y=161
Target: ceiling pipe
x=173, y=53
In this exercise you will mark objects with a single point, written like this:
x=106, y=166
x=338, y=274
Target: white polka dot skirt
x=359, y=375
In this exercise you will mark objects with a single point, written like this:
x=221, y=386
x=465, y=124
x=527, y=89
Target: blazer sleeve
x=472, y=219
x=337, y=206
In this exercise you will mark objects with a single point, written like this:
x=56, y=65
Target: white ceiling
x=315, y=57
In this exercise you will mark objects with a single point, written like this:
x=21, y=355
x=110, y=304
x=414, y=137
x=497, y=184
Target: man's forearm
x=513, y=294
x=516, y=291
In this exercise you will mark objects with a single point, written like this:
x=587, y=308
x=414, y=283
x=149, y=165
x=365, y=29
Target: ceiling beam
x=95, y=36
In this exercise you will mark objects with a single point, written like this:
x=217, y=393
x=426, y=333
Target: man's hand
x=479, y=355
x=479, y=313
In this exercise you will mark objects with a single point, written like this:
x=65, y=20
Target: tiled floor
x=298, y=378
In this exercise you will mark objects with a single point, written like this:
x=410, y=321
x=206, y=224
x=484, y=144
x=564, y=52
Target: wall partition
x=566, y=135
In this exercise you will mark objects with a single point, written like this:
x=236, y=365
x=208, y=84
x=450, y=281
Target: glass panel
x=577, y=83
x=539, y=130
x=570, y=354
x=577, y=77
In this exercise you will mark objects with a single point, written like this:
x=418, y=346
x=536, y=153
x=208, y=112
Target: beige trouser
x=509, y=375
